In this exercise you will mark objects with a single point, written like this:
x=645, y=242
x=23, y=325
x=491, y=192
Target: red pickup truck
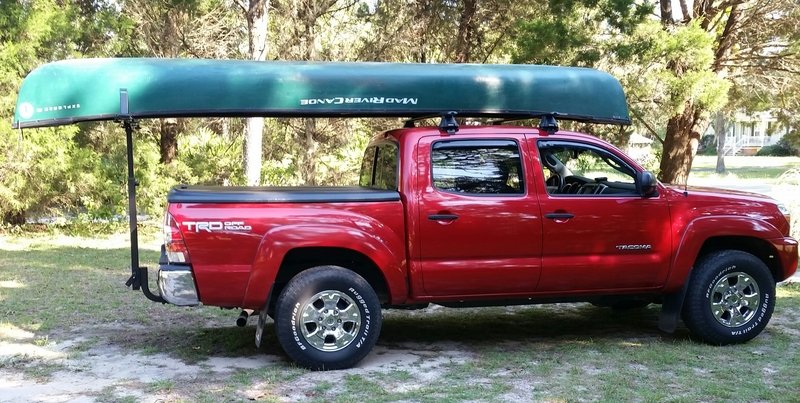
x=491, y=215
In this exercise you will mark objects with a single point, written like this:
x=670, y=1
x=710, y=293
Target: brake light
x=174, y=245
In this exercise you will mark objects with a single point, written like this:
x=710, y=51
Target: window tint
x=379, y=167
x=477, y=166
x=386, y=167
x=367, y=167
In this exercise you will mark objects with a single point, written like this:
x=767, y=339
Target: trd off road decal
x=212, y=226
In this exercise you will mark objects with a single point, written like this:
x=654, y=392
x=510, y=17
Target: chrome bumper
x=176, y=284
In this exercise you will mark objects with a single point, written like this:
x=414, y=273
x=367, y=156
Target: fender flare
x=377, y=245
x=697, y=232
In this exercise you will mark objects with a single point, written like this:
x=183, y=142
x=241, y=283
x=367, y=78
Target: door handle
x=559, y=216
x=442, y=217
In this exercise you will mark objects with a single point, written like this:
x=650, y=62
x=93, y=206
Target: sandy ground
x=92, y=367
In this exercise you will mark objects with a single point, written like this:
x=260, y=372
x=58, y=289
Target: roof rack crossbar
x=409, y=123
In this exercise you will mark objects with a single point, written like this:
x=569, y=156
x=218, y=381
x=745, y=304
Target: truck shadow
x=423, y=329
x=525, y=323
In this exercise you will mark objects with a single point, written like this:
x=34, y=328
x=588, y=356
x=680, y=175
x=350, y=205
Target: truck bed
x=278, y=194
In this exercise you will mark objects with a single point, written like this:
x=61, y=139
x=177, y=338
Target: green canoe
x=104, y=89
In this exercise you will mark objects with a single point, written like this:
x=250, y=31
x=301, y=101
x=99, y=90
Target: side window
x=386, y=167
x=485, y=167
x=584, y=170
x=367, y=167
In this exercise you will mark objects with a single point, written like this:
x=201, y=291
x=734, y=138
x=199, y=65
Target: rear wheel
x=730, y=298
x=328, y=317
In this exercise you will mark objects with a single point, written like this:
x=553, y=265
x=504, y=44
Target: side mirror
x=646, y=184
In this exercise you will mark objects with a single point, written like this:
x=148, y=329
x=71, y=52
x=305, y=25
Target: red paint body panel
x=500, y=247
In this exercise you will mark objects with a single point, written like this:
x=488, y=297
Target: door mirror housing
x=646, y=184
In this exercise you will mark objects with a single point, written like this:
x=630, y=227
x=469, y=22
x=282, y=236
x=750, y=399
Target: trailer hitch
x=138, y=280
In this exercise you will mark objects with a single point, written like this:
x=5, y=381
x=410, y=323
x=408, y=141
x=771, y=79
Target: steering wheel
x=556, y=179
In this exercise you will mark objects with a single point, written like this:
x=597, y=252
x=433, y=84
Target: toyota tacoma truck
x=483, y=216
x=452, y=215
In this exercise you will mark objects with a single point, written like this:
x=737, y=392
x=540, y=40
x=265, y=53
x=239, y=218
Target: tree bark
x=466, y=32
x=719, y=130
x=680, y=145
x=257, y=15
x=168, y=140
x=308, y=167
x=666, y=12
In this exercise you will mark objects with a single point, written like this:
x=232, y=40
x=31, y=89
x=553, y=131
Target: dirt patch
x=93, y=366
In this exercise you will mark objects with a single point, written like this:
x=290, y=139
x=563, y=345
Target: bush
x=780, y=149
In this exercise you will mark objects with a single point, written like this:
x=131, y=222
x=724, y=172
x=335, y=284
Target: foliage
x=676, y=69
x=780, y=149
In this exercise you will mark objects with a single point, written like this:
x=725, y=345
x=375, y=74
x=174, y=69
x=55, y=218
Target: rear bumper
x=176, y=283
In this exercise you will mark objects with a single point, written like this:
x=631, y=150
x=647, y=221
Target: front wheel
x=327, y=318
x=730, y=298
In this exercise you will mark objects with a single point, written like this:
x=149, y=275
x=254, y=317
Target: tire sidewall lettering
x=295, y=323
x=762, y=311
x=365, y=326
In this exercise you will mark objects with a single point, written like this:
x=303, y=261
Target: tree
x=256, y=13
x=746, y=39
x=170, y=29
x=34, y=164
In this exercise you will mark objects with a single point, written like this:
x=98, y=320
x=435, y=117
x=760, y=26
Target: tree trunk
x=680, y=145
x=168, y=140
x=257, y=29
x=666, y=12
x=14, y=217
x=308, y=167
x=466, y=32
x=719, y=130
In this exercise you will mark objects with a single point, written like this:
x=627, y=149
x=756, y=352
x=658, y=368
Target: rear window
x=380, y=167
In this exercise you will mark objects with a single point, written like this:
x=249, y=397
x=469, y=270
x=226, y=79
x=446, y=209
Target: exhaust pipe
x=241, y=321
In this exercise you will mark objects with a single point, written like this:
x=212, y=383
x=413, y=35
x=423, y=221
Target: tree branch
x=245, y=8
x=647, y=126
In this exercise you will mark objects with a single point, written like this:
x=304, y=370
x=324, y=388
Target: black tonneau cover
x=303, y=194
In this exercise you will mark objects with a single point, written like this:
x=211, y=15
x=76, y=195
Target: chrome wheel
x=735, y=299
x=330, y=320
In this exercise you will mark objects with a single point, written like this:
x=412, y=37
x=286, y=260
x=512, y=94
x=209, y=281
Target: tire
x=730, y=298
x=327, y=318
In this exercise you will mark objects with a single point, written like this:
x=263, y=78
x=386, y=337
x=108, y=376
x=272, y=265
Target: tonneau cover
x=303, y=194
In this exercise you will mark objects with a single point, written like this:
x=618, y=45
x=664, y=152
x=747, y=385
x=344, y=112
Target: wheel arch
x=288, y=250
x=707, y=234
x=757, y=247
x=303, y=258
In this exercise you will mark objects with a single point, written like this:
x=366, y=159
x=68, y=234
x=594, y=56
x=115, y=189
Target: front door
x=599, y=232
x=479, y=223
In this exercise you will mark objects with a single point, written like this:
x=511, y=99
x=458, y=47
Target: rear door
x=599, y=233
x=479, y=226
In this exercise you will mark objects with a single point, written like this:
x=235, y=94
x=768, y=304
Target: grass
x=56, y=288
x=564, y=352
x=746, y=168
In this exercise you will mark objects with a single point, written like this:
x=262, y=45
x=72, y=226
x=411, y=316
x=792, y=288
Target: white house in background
x=748, y=132
x=639, y=147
